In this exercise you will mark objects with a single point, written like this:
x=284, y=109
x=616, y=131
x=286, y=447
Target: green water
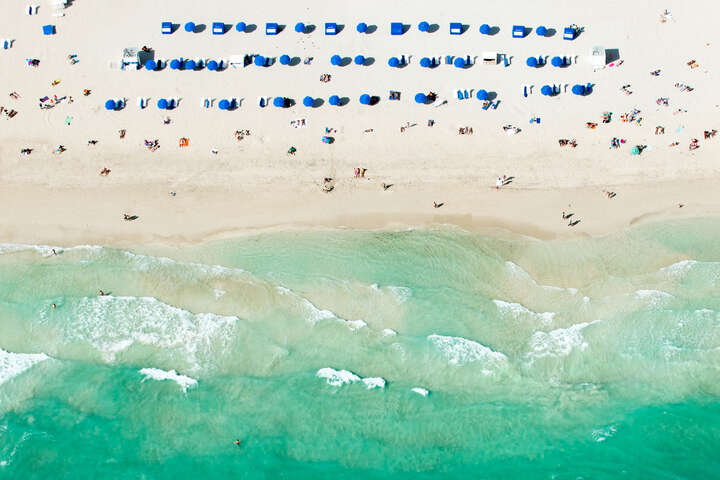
x=591, y=358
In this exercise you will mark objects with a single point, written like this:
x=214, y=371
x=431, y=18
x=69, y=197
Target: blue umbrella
x=110, y=105
x=546, y=90
x=259, y=60
x=481, y=95
x=224, y=104
x=459, y=62
x=175, y=64
x=335, y=60
x=420, y=98
x=189, y=27
x=284, y=59
x=162, y=104
x=634, y=151
x=300, y=27
x=308, y=101
x=485, y=29
x=542, y=31
x=150, y=65
x=190, y=65
x=212, y=65
x=359, y=60
x=279, y=101
x=362, y=27
x=425, y=62
x=334, y=100
x=531, y=62
x=365, y=99
x=423, y=26
x=578, y=90
x=394, y=62
x=240, y=27
x=556, y=61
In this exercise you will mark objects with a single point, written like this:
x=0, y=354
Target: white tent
x=597, y=57
x=130, y=56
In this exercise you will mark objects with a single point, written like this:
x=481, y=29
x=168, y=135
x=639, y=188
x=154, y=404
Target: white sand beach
x=254, y=184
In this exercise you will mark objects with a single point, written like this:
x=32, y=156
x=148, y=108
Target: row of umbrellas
x=577, y=89
x=537, y=62
x=308, y=101
x=362, y=27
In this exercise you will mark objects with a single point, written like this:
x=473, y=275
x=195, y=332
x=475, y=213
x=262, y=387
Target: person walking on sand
x=498, y=183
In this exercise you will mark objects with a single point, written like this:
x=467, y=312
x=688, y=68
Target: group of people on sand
x=564, y=142
x=240, y=134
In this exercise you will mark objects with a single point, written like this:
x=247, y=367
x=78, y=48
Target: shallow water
x=592, y=358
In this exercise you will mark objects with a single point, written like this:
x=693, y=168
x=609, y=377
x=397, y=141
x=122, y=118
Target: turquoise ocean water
x=412, y=354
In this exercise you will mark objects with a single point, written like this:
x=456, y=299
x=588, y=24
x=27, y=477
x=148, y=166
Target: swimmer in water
x=101, y=293
x=237, y=442
x=53, y=306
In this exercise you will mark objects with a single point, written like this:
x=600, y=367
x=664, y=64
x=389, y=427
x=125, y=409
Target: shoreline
x=75, y=216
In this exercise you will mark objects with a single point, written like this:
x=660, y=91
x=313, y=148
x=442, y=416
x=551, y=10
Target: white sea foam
x=112, y=324
x=520, y=272
x=147, y=262
x=337, y=378
x=461, y=351
x=13, y=364
x=314, y=314
x=158, y=374
x=559, y=342
x=517, y=311
x=654, y=298
x=374, y=382
x=389, y=332
x=420, y=391
x=602, y=434
x=679, y=268
x=401, y=293
x=46, y=250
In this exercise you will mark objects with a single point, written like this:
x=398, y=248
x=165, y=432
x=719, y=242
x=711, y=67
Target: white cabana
x=130, y=57
x=597, y=57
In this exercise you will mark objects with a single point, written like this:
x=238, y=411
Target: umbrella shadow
x=309, y=28
x=527, y=31
x=294, y=61
x=433, y=28
x=550, y=32
x=464, y=28
x=494, y=30
x=174, y=27
x=405, y=28
x=226, y=28
x=318, y=102
x=281, y=28
x=250, y=28
x=611, y=55
x=343, y=101
x=371, y=29
x=345, y=62
x=340, y=27
x=199, y=28
x=374, y=100
x=369, y=61
x=491, y=96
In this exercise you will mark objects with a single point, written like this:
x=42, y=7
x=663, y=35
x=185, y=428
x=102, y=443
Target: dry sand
x=254, y=184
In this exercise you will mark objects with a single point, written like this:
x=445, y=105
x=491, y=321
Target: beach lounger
x=460, y=95
x=465, y=94
x=261, y=102
x=468, y=61
x=448, y=60
x=28, y=9
x=486, y=105
x=525, y=93
x=497, y=102
x=233, y=103
x=140, y=101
